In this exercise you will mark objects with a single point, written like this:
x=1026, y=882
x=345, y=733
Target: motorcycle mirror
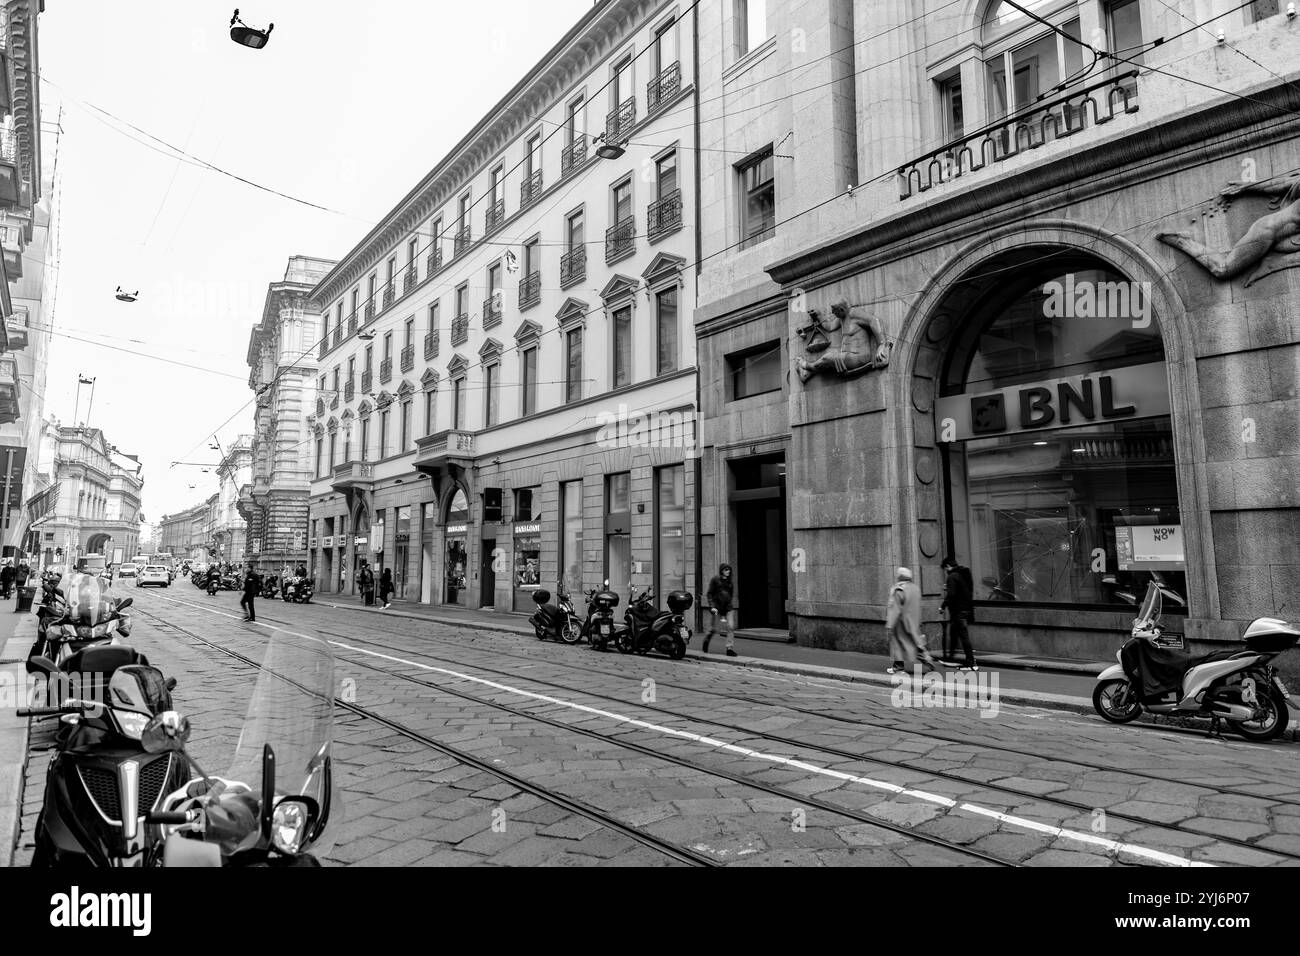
x=167, y=732
x=42, y=665
x=170, y=683
x=126, y=603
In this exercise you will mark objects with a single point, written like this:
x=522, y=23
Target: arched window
x=1055, y=415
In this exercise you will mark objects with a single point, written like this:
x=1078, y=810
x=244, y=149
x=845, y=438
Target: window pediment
x=406, y=388
x=457, y=364
x=429, y=380
x=528, y=331
x=619, y=287
x=573, y=312
x=664, y=268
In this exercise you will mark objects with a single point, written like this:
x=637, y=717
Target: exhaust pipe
x=1232, y=711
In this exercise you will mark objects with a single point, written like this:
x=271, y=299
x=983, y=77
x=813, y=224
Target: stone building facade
x=282, y=361
x=1056, y=359
x=507, y=384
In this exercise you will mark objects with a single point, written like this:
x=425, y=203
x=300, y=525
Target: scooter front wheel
x=624, y=643
x=1271, y=724
x=1115, y=701
x=571, y=632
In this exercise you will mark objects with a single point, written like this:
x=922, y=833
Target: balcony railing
x=619, y=123
x=435, y=260
x=367, y=380
x=461, y=244
x=574, y=155
x=350, y=390
x=663, y=87
x=530, y=290
x=16, y=326
x=620, y=240
x=390, y=294
x=573, y=267
x=459, y=330
x=430, y=345
x=530, y=189
x=664, y=216
x=370, y=311
x=409, y=281
x=408, y=358
x=492, y=311
x=496, y=215
x=1056, y=119
x=385, y=371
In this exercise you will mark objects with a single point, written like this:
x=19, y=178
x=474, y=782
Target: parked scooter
x=271, y=587
x=599, y=627
x=274, y=803
x=299, y=591
x=646, y=628
x=1238, y=687
x=557, y=621
x=76, y=611
x=102, y=782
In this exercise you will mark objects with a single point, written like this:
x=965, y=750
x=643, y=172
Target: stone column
x=892, y=95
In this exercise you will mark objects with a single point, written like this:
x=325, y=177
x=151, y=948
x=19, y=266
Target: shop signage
x=311, y=544
x=534, y=528
x=1139, y=391
x=457, y=529
x=377, y=532
x=359, y=540
x=1157, y=547
x=403, y=537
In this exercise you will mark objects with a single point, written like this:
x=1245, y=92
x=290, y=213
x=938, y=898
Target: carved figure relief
x=862, y=345
x=1271, y=244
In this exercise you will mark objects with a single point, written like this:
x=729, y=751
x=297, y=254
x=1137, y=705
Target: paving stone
x=1236, y=829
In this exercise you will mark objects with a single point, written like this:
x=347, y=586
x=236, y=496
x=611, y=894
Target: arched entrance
x=98, y=543
x=359, y=546
x=455, y=525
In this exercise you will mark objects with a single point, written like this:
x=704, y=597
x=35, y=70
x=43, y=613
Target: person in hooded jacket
x=721, y=594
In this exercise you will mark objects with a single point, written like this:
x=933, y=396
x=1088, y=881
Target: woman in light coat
x=903, y=625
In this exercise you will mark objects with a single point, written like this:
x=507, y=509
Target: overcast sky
x=347, y=107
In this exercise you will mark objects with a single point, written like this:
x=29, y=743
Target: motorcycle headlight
x=289, y=827
x=132, y=724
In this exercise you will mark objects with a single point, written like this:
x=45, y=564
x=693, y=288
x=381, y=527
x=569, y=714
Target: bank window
x=573, y=365
x=618, y=531
x=754, y=371
x=528, y=380
x=666, y=328
x=571, y=539
x=491, y=401
x=670, y=529
x=751, y=25
x=621, y=328
x=1062, y=483
x=952, y=122
x=403, y=580
x=757, y=199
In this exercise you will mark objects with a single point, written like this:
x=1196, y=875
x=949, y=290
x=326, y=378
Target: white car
x=154, y=574
x=127, y=571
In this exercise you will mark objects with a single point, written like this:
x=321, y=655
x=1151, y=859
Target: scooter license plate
x=1281, y=686
x=605, y=630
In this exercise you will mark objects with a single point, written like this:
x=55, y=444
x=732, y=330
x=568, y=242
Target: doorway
x=488, y=596
x=759, y=515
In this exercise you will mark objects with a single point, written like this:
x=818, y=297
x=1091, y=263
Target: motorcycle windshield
x=292, y=711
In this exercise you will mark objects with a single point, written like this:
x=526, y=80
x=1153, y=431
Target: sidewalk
x=17, y=631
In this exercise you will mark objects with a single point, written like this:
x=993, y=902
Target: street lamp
x=245, y=35
x=609, y=150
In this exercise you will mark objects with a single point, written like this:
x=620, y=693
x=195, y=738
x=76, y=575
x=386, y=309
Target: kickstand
x=1214, y=727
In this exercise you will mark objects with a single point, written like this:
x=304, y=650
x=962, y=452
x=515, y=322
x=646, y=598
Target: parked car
x=125, y=571
x=154, y=574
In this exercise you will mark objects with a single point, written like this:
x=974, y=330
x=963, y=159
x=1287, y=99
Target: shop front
x=527, y=564
x=456, y=550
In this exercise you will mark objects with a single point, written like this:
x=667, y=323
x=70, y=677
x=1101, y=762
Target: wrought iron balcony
x=620, y=240
x=664, y=87
x=460, y=330
x=530, y=290
x=461, y=244
x=16, y=326
x=573, y=267
x=9, y=391
x=496, y=215
x=619, y=123
x=435, y=260
x=530, y=189
x=350, y=390
x=385, y=371
x=430, y=345
x=390, y=294
x=1056, y=119
x=370, y=311
x=664, y=216
x=324, y=346
x=409, y=282
x=408, y=358
x=367, y=380
x=492, y=310
x=574, y=155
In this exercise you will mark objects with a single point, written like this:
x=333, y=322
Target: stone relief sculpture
x=862, y=345
x=1271, y=244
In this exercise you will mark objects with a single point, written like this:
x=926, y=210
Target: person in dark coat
x=366, y=582
x=252, y=585
x=386, y=588
x=959, y=602
x=721, y=594
x=6, y=580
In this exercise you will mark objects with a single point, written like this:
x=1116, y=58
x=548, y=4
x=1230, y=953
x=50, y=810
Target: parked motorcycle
x=271, y=587
x=1238, y=687
x=274, y=803
x=299, y=591
x=102, y=782
x=646, y=628
x=76, y=611
x=600, y=626
x=557, y=621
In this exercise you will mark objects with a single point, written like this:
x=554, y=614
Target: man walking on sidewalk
x=721, y=590
x=252, y=585
x=959, y=602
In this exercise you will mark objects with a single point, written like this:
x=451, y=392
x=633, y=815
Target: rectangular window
x=666, y=331
x=666, y=175
x=409, y=336
x=370, y=357
x=524, y=498
x=462, y=300
x=758, y=199
x=663, y=50
x=433, y=316
x=498, y=185
x=528, y=380
x=388, y=346
x=573, y=365
x=356, y=298
x=383, y=435
x=347, y=443
x=436, y=248
x=533, y=155
x=365, y=439
x=622, y=201
x=575, y=122
x=1124, y=32
x=622, y=337
x=618, y=531
x=571, y=539
x=325, y=326
x=755, y=371
x=1263, y=9
x=406, y=427
x=953, y=124
x=320, y=451
x=335, y=384
x=670, y=529
x=532, y=257
x=322, y=388
x=352, y=370
x=494, y=284
x=491, y=376
x=621, y=87
x=333, y=450
x=372, y=283
x=411, y=248
x=575, y=232
x=428, y=411
x=458, y=404
x=338, y=316
x=392, y=271
x=751, y=25
x=463, y=218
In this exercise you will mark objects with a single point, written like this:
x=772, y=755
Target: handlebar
x=168, y=818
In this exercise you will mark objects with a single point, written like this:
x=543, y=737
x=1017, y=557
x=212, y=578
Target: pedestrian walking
x=721, y=591
x=366, y=581
x=386, y=588
x=903, y=625
x=252, y=584
x=7, y=575
x=959, y=602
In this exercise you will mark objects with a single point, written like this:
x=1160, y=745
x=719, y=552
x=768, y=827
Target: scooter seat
x=103, y=659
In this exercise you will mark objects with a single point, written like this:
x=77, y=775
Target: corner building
x=507, y=377
x=1058, y=360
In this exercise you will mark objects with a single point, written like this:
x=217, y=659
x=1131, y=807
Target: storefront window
x=670, y=519
x=402, y=553
x=1060, y=450
x=528, y=563
x=457, y=537
x=571, y=539
x=377, y=539
x=618, y=532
